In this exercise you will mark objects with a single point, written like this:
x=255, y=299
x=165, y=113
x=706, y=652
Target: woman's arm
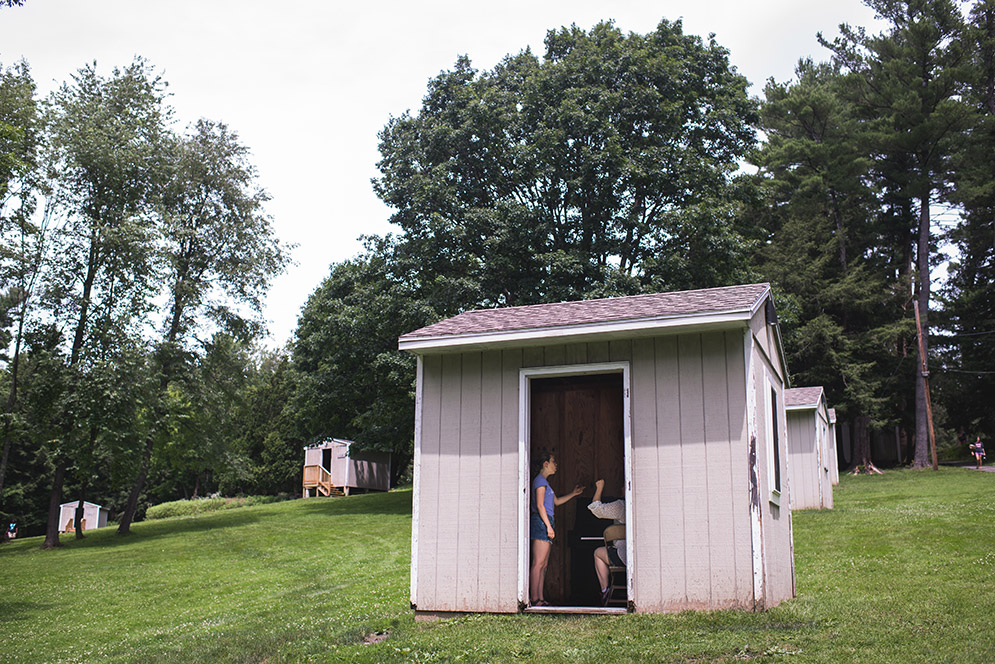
x=559, y=500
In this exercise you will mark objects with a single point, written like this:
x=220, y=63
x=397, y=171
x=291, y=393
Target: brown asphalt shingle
x=802, y=396
x=585, y=312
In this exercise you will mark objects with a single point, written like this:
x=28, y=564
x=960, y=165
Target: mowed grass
x=903, y=570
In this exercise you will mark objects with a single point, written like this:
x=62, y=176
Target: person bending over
x=607, y=555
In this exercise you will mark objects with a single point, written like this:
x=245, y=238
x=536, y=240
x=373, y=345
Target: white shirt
x=614, y=510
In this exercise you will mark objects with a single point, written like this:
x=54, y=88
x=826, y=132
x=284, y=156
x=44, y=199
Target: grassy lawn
x=903, y=570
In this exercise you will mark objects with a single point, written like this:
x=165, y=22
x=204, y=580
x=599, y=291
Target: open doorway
x=580, y=419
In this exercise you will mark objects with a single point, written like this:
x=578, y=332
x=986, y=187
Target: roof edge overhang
x=601, y=331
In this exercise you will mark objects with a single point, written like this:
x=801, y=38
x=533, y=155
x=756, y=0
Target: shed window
x=773, y=445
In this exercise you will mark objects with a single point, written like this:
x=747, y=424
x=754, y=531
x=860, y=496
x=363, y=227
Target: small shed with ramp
x=333, y=467
x=94, y=516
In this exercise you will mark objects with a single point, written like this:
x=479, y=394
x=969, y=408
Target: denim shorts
x=537, y=529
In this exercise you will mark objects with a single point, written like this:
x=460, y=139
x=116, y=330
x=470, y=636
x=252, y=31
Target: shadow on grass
x=107, y=538
x=10, y=611
x=391, y=503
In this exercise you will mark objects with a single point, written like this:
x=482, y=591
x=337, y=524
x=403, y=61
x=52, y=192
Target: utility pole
x=924, y=372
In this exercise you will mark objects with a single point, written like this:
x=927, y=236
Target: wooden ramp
x=317, y=477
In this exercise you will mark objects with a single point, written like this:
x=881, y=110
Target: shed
x=834, y=462
x=332, y=467
x=94, y=516
x=809, y=441
x=675, y=399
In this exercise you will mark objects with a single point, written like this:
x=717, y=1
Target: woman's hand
x=578, y=489
x=550, y=533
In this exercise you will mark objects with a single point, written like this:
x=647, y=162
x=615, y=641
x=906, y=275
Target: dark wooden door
x=578, y=419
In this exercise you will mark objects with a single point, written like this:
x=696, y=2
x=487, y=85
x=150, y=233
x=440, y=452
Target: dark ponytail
x=541, y=456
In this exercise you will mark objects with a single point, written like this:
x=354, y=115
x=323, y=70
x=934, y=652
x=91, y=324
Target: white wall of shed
x=690, y=475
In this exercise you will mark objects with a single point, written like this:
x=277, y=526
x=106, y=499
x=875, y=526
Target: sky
x=308, y=85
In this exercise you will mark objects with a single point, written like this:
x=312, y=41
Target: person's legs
x=601, y=567
x=537, y=573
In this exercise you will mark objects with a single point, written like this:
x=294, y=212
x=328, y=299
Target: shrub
x=204, y=505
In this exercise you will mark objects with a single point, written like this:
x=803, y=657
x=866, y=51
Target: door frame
x=525, y=377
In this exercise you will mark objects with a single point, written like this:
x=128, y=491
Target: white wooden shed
x=675, y=399
x=94, y=516
x=332, y=467
x=809, y=442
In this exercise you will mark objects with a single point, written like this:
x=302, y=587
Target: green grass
x=903, y=570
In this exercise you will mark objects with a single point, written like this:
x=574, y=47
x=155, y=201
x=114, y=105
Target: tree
x=220, y=256
x=570, y=176
x=969, y=297
x=906, y=80
x=839, y=299
x=104, y=156
x=352, y=381
x=23, y=240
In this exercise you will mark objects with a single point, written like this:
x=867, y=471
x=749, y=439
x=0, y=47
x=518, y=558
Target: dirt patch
x=375, y=637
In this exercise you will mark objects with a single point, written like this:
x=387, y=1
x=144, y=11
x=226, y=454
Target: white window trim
x=770, y=418
x=525, y=377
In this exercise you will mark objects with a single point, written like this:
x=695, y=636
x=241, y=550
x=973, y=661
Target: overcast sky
x=307, y=85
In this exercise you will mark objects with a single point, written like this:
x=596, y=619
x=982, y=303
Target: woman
x=541, y=523
x=978, y=449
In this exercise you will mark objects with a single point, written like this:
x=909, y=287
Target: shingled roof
x=567, y=315
x=802, y=396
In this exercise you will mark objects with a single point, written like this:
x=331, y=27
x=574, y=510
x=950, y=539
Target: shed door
x=579, y=419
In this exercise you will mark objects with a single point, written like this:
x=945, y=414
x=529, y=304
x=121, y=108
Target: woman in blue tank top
x=541, y=523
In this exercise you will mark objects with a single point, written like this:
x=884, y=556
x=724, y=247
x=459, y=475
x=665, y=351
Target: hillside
x=902, y=570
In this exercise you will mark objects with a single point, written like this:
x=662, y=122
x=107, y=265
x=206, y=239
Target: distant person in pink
x=978, y=449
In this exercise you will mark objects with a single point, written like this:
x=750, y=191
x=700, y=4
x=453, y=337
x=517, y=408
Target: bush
x=204, y=505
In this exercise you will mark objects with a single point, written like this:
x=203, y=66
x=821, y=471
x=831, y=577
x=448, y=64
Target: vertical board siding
x=511, y=361
x=803, y=464
x=647, y=565
x=493, y=495
x=429, y=482
x=554, y=356
x=447, y=560
x=597, y=351
x=697, y=549
x=670, y=460
x=739, y=465
x=721, y=524
x=469, y=479
x=576, y=354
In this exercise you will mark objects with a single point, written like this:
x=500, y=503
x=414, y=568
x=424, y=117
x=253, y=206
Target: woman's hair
x=541, y=456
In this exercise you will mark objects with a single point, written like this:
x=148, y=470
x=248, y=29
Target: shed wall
x=690, y=480
x=826, y=457
x=777, y=543
x=805, y=467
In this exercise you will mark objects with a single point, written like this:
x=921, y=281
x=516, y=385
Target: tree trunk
x=80, y=507
x=922, y=264
x=862, y=446
x=124, y=526
x=5, y=456
x=54, y=505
